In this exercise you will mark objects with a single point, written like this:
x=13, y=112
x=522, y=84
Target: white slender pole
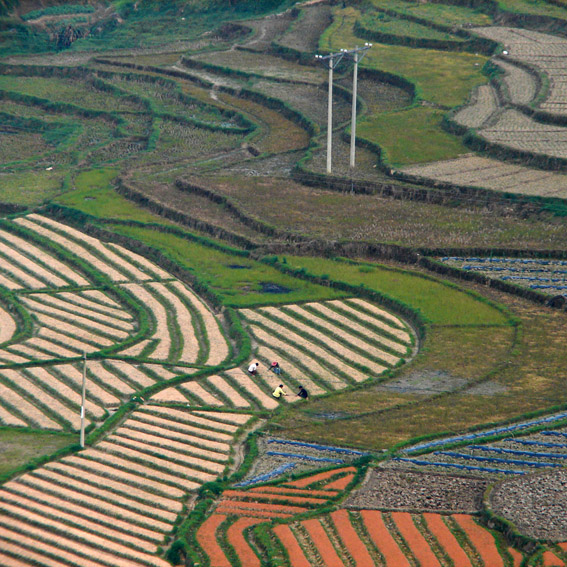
x=83, y=400
x=330, y=118
x=353, y=118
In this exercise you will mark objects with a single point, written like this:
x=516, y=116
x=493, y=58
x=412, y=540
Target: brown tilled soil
x=404, y=490
x=304, y=33
x=536, y=504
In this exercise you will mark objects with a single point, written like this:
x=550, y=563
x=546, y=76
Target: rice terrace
x=283, y=283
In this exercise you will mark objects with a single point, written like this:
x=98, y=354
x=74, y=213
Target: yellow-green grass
x=32, y=187
x=388, y=24
x=93, y=194
x=17, y=448
x=441, y=77
x=537, y=7
x=73, y=91
x=237, y=280
x=443, y=14
x=438, y=302
x=411, y=136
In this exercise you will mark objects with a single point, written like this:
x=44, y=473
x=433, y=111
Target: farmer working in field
x=253, y=368
x=279, y=392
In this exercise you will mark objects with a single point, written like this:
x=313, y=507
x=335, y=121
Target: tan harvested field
x=196, y=389
x=223, y=385
x=482, y=106
x=169, y=395
x=521, y=85
x=151, y=269
x=494, y=175
x=218, y=347
x=44, y=258
x=7, y=326
x=244, y=380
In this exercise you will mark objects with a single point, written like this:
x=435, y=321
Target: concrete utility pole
x=357, y=54
x=83, y=400
x=334, y=59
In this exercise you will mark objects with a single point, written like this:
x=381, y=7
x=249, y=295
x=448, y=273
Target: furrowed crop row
x=520, y=84
x=41, y=257
x=400, y=539
x=74, y=248
x=304, y=345
x=292, y=356
x=120, y=498
x=320, y=479
x=346, y=346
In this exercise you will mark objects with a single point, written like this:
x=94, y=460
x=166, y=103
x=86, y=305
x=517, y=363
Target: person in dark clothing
x=302, y=393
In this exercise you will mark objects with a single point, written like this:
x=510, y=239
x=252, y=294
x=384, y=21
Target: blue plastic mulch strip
x=457, y=466
x=481, y=434
x=317, y=447
x=537, y=443
x=502, y=451
x=515, y=462
x=554, y=433
x=304, y=457
x=267, y=476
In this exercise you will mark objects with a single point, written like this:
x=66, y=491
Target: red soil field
x=341, y=483
x=296, y=556
x=446, y=539
x=482, y=540
x=303, y=482
x=323, y=543
x=351, y=539
x=259, y=506
x=551, y=560
x=268, y=496
x=206, y=536
x=236, y=539
x=383, y=540
x=293, y=491
x=416, y=542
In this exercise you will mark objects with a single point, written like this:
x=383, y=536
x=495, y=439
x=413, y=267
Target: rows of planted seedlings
x=113, y=503
x=327, y=346
x=547, y=275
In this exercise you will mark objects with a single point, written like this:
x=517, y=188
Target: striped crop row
x=112, y=504
x=257, y=505
x=326, y=346
x=397, y=539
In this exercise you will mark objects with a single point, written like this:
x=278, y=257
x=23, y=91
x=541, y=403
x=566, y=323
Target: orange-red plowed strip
x=206, y=536
x=352, y=541
x=517, y=557
x=238, y=504
x=341, y=483
x=446, y=539
x=382, y=539
x=551, y=560
x=251, y=513
x=416, y=542
x=293, y=491
x=481, y=539
x=235, y=537
x=303, y=482
x=295, y=553
x=563, y=545
x=292, y=499
x=322, y=543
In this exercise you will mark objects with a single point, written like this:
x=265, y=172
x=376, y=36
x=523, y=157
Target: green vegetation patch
x=535, y=7
x=440, y=14
x=252, y=283
x=387, y=24
x=94, y=195
x=441, y=77
x=59, y=11
x=411, y=136
x=32, y=187
x=439, y=302
x=17, y=447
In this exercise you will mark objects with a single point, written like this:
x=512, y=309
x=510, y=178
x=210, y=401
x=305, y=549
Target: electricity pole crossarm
x=334, y=59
